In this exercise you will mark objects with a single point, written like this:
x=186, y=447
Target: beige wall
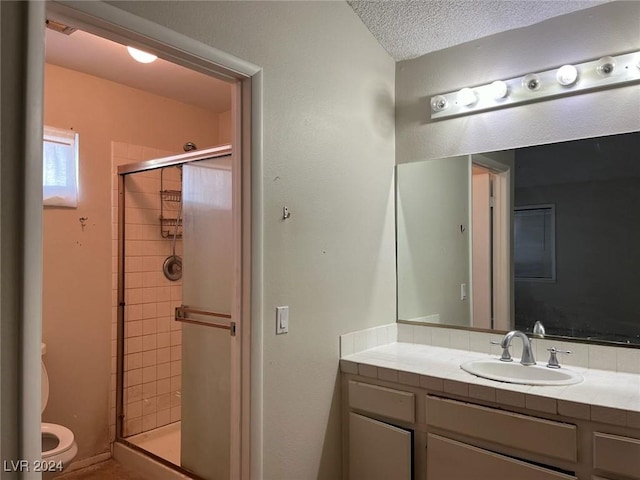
x=328, y=149
x=78, y=265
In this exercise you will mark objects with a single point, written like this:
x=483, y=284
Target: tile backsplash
x=359, y=341
x=620, y=359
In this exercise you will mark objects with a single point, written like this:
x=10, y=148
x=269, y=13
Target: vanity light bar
x=606, y=72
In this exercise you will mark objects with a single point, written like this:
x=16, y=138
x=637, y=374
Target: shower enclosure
x=176, y=335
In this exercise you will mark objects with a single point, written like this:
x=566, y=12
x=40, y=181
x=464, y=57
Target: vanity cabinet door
x=451, y=460
x=616, y=455
x=378, y=451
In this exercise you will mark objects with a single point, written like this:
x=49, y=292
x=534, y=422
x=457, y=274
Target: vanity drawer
x=382, y=401
x=617, y=455
x=529, y=434
x=448, y=459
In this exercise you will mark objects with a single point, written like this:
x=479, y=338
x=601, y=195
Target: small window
x=535, y=243
x=60, y=172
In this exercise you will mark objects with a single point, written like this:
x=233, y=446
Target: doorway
x=483, y=249
x=491, y=246
x=93, y=18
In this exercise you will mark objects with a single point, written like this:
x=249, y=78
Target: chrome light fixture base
x=606, y=72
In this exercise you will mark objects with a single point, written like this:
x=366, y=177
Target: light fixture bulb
x=438, y=103
x=605, y=66
x=531, y=82
x=499, y=89
x=567, y=75
x=467, y=97
x=140, y=56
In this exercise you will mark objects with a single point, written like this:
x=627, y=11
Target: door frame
x=502, y=239
x=123, y=27
x=481, y=260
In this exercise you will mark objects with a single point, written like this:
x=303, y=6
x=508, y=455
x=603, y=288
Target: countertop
x=603, y=396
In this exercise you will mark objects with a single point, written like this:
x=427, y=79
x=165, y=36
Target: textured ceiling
x=411, y=28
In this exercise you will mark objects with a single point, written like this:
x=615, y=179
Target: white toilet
x=58, y=444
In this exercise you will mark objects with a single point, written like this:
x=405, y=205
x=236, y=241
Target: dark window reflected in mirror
x=594, y=187
x=534, y=243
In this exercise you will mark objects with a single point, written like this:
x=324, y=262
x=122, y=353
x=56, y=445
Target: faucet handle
x=553, y=358
x=506, y=356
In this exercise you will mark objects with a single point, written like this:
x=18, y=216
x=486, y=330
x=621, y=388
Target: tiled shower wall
x=153, y=340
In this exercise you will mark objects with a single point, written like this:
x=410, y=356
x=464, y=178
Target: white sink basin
x=515, y=372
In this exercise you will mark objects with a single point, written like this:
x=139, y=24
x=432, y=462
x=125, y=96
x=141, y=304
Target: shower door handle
x=183, y=311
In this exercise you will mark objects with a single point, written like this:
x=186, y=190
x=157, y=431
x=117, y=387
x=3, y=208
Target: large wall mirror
x=547, y=233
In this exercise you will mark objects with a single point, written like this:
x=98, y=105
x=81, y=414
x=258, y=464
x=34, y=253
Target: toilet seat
x=63, y=434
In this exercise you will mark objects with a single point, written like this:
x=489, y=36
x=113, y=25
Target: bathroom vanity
x=410, y=412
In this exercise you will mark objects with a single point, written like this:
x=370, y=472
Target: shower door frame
x=112, y=23
x=145, y=166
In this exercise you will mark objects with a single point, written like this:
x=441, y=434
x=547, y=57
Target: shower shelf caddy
x=170, y=226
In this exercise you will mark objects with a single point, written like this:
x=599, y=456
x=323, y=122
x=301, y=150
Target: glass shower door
x=208, y=331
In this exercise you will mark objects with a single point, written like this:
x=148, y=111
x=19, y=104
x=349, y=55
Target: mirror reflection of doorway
x=491, y=240
x=482, y=271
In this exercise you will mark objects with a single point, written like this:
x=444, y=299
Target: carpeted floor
x=109, y=470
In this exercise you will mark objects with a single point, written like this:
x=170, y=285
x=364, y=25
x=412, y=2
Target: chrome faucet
x=527, y=352
x=538, y=329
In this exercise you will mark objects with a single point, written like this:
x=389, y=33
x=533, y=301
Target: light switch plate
x=282, y=320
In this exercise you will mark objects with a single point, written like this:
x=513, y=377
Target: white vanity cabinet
x=395, y=431
x=407, y=433
x=463, y=427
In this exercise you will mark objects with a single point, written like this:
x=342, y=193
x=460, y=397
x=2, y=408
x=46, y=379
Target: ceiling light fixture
x=140, y=56
x=606, y=72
